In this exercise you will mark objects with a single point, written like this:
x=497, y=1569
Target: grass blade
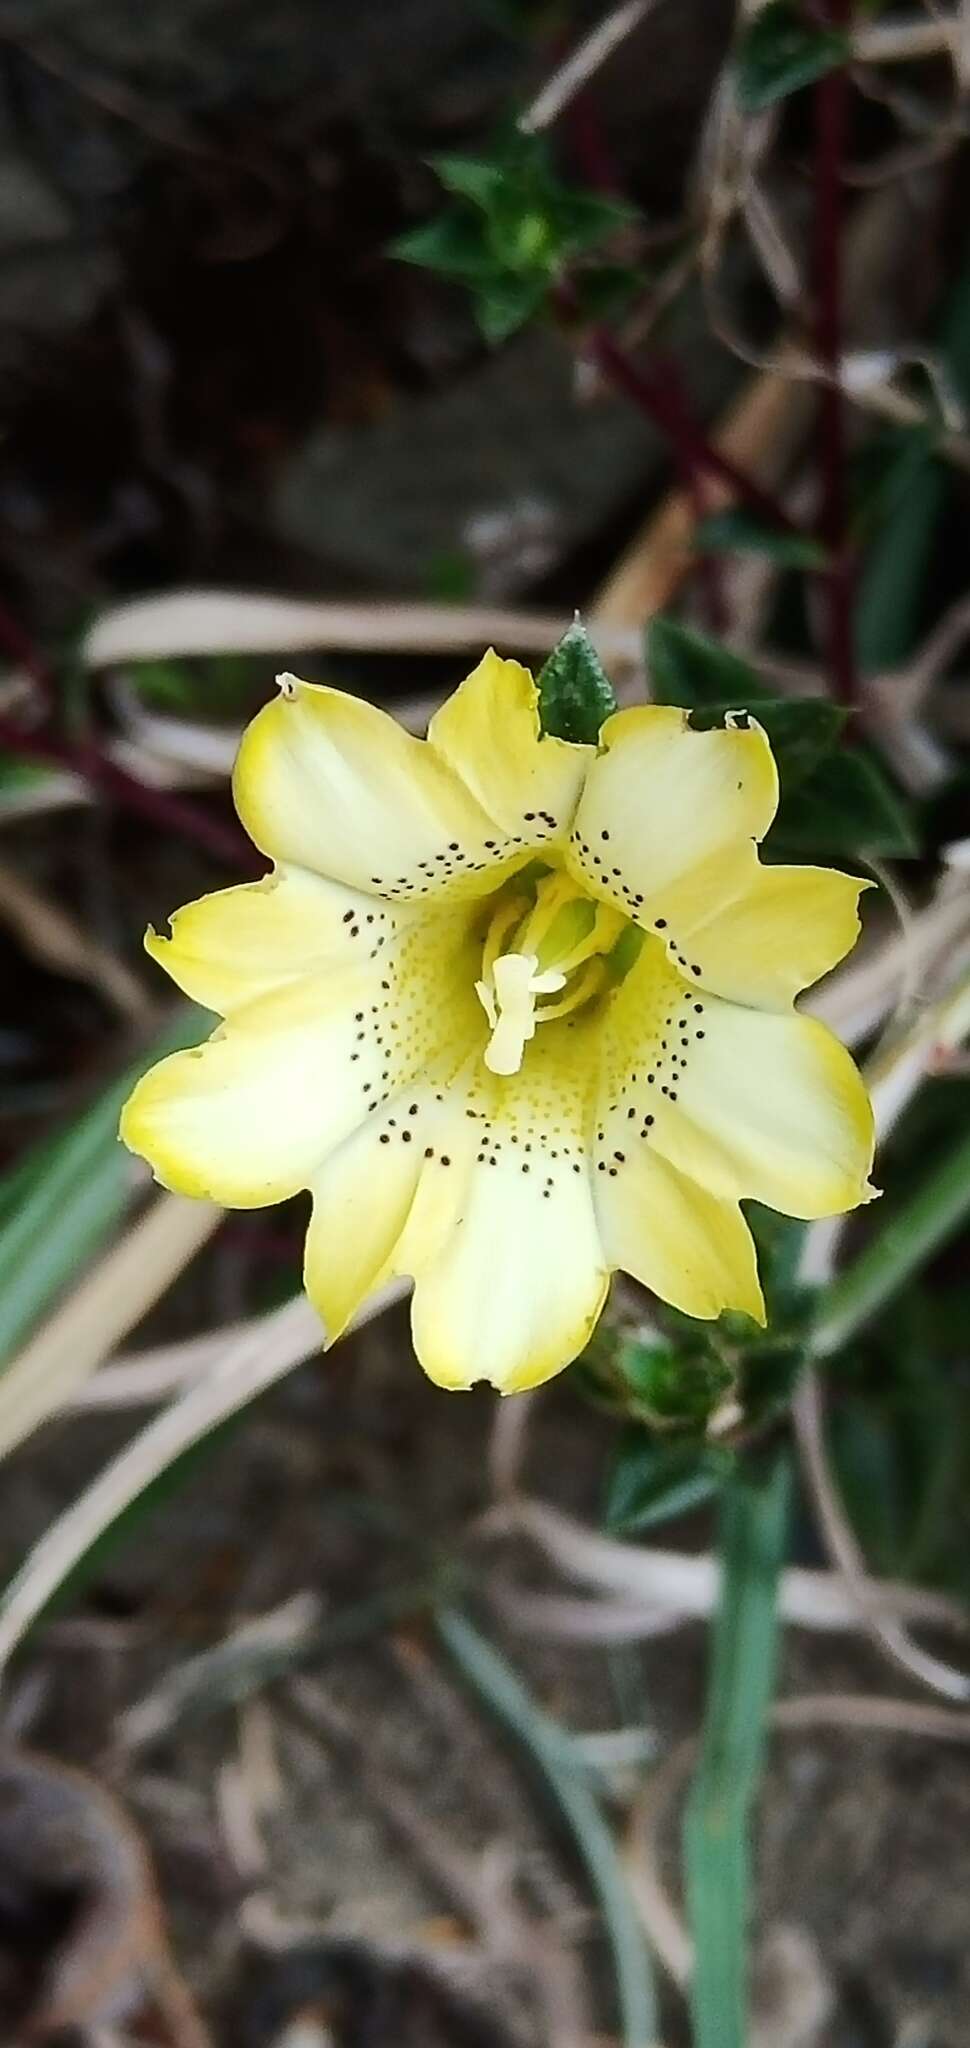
x=753, y=1527
x=560, y=1761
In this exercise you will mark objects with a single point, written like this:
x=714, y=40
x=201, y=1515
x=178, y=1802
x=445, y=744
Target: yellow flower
x=517, y=1012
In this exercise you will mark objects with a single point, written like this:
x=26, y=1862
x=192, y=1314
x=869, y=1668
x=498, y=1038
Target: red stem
x=831, y=123
x=652, y=393
x=172, y=813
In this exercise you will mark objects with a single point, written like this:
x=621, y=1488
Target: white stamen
x=510, y=1006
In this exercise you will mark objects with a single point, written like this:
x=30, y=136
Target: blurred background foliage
x=356, y=337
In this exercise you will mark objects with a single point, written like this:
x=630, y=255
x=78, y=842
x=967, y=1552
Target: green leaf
x=754, y=1523
x=506, y=303
x=737, y=532
x=845, y=806
x=782, y=50
x=575, y=693
x=512, y=231
x=469, y=177
x=653, y=1480
x=454, y=244
x=689, y=669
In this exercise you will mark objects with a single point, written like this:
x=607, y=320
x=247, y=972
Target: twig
x=846, y=1552
x=247, y=1368
x=898, y=1073
x=831, y=109
x=904, y=42
x=582, y=64
x=109, y=1301
x=243, y=622
x=687, y=1584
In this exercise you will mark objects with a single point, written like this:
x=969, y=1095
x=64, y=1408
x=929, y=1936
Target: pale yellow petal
x=772, y=1106
x=511, y=1292
x=330, y=783
x=230, y=947
x=665, y=814
x=748, y=1102
x=248, y=1117
x=361, y=1200
x=784, y=928
x=691, y=1248
x=489, y=732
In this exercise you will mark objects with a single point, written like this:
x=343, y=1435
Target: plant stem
x=904, y=1244
x=831, y=112
x=651, y=393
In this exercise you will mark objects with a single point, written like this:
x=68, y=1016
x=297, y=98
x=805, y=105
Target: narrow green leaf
x=561, y=1764
x=575, y=693
x=737, y=532
x=904, y=1243
x=754, y=1521
x=783, y=50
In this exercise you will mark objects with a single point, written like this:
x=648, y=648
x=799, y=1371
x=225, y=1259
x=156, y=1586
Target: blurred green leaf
x=846, y=806
x=754, y=1522
x=654, y=1479
x=514, y=229
x=469, y=177
x=737, y=532
x=782, y=50
x=453, y=244
x=69, y=1197
x=688, y=668
x=506, y=303
x=575, y=692
x=862, y=1443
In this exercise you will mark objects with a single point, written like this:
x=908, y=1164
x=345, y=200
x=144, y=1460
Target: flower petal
x=688, y=1246
x=489, y=732
x=231, y=947
x=386, y=1199
x=361, y=1200
x=330, y=783
x=248, y=1117
x=665, y=814
x=785, y=927
x=748, y=1102
x=514, y=1291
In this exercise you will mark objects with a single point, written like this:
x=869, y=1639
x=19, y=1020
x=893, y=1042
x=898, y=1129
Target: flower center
x=553, y=945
